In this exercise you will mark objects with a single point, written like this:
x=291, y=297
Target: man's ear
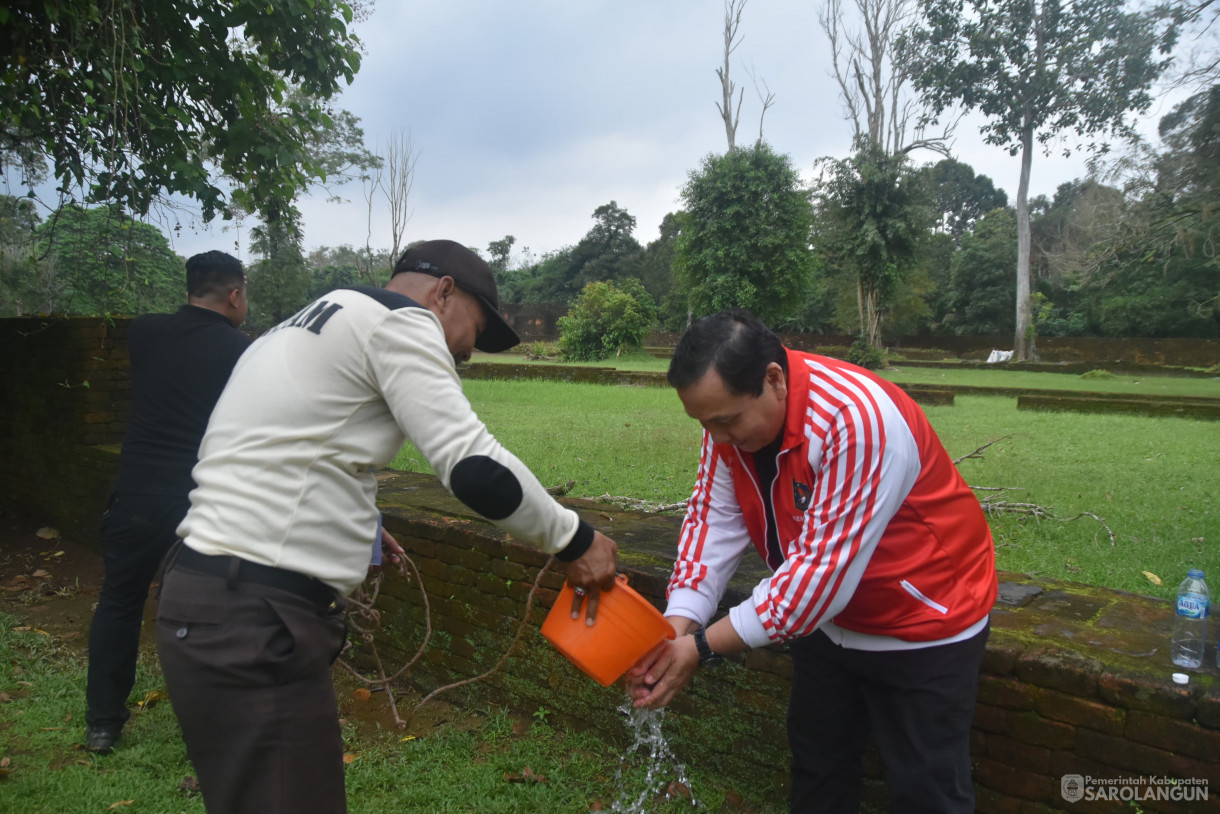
x=776, y=378
x=234, y=298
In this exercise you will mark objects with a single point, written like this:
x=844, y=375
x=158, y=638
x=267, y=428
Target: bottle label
x=1193, y=606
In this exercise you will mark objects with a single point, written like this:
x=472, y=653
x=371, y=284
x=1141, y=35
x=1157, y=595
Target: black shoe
x=101, y=739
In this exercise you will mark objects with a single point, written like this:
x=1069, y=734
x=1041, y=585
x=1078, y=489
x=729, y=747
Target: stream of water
x=666, y=775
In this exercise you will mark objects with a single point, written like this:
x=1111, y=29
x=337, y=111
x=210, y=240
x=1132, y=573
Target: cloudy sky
x=527, y=116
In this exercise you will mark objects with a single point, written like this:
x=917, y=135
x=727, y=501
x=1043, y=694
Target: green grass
x=452, y=769
x=973, y=377
x=1115, y=383
x=1154, y=481
x=630, y=441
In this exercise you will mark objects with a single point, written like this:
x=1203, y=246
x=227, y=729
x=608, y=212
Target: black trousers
x=247, y=667
x=136, y=532
x=917, y=704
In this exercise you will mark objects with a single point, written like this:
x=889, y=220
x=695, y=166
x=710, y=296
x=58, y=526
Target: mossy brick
x=506, y=607
x=1207, y=711
x=526, y=555
x=770, y=660
x=761, y=703
x=1029, y=807
x=1059, y=669
x=1140, y=691
x=491, y=585
x=414, y=546
x=1000, y=657
x=1122, y=753
x=1030, y=727
x=552, y=580
x=1069, y=709
x=1173, y=735
x=1008, y=693
x=1075, y=762
x=515, y=571
x=99, y=418
x=648, y=585
x=1018, y=755
x=1013, y=781
x=463, y=648
x=990, y=801
x=990, y=718
x=445, y=572
x=470, y=558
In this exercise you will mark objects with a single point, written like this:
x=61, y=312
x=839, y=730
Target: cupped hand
x=662, y=672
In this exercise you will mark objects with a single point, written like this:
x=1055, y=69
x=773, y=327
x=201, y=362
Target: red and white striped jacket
x=878, y=533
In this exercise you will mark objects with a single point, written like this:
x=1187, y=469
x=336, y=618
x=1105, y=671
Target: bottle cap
x=1181, y=678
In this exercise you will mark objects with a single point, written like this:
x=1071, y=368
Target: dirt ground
x=51, y=582
x=47, y=581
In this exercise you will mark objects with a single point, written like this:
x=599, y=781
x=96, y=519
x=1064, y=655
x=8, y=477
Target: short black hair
x=213, y=274
x=736, y=344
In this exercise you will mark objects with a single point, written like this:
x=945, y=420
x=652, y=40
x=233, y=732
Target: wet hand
x=663, y=672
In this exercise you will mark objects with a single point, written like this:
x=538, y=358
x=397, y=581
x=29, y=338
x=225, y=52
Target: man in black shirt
x=180, y=363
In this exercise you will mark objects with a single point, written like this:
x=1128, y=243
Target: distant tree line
x=878, y=245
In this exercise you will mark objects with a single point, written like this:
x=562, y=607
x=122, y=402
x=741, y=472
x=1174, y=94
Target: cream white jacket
x=285, y=473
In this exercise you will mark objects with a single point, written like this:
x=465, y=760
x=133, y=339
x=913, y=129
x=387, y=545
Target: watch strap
x=707, y=656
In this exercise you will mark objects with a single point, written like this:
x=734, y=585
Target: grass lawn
x=477, y=764
x=1154, y=481
x=973, y=377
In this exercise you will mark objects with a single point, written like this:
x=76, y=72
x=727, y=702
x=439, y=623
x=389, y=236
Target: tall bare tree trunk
x=400, y=161
x=1024, y=349
x=732, y=21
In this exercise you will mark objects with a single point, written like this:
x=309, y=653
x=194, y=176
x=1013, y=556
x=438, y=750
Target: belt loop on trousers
x=231, y=576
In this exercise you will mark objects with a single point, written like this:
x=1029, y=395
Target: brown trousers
x=248, y=672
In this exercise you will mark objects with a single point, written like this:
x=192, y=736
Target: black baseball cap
x=447, y=258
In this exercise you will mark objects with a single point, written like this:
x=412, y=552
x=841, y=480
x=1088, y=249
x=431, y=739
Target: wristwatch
x=707, y=657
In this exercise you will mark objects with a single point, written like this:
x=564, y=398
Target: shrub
x=540, y=351
x=1097, y=374
x=865, y=355
x=606, y=321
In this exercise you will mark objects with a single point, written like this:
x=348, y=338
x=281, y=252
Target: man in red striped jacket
x=883, y=564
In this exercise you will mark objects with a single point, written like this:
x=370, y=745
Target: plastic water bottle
x=1190, y=623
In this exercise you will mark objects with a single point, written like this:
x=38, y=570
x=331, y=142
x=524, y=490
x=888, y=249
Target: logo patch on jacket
x=801, y=494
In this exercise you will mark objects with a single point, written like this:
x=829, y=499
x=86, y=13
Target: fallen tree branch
x=978, y=453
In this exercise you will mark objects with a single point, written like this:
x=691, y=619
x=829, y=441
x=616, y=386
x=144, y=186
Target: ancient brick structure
x=1076, y=680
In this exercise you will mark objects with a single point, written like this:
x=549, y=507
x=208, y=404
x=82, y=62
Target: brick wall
x=1076, y=679
x=65, y=396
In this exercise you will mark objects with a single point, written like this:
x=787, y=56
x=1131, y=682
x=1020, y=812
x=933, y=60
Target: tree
x=500, y=253
x=279, y=282
x=101, y=261
x=334, y=149
x=394, y=175
x=132, y=100
x=607, y=320
x=745, y=237
x=1038, y=69
x=871, y=83
x=961, y=197
x=875, y=213
x=18, y=238
x=657, y=273
x=982, y=272
x=608, y=251
x=731, y=117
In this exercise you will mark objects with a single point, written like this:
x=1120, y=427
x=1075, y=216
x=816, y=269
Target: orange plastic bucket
x=627, y=627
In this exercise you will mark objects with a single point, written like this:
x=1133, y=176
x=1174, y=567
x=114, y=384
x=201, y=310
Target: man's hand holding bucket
x=591, y=574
